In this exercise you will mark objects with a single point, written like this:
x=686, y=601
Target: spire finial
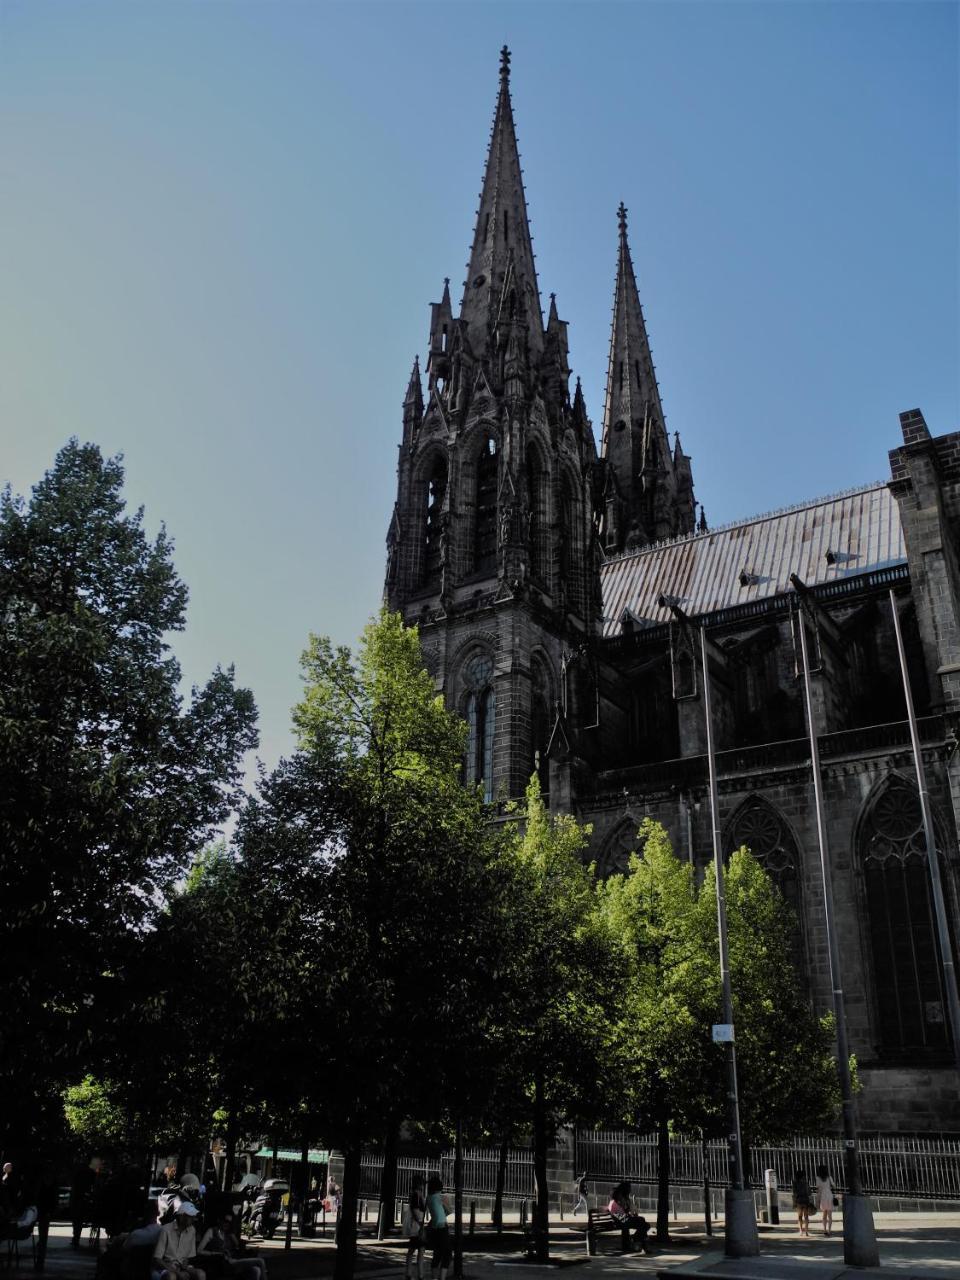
x=622, y=218
x=504, y=64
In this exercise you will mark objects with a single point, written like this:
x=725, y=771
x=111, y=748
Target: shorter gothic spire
x=635, y=444
x=414, y=394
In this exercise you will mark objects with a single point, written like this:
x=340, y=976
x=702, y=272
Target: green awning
x=294, y=1157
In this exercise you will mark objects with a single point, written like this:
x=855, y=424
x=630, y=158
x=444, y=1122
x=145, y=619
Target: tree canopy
x=110, y=781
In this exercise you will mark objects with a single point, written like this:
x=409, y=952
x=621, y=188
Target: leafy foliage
x=92, y=1114
x=666, y=928
x=108, y=782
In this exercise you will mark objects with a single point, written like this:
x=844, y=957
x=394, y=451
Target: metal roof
x=702, y=573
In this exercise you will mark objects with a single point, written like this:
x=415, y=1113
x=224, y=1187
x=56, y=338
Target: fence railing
x=911, y=1168
x=479, y=1172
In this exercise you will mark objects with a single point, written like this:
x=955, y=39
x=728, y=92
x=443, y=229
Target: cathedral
x=560, y=592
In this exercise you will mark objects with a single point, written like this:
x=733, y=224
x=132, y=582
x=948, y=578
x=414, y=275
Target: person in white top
x=824, y=1195
x=176, y=1246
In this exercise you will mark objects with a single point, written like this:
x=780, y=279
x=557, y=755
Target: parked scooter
x=311, y=1207
x=268, y=1213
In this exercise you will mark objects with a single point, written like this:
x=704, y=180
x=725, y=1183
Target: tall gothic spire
x=501, y=241
x=650, y=503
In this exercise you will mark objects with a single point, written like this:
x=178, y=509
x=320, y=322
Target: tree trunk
x=347, y=1226
x=501, y=1182
x=541, y=1210
x=458, y=1201
x=663, y=1181
x=298, y=1195
x=231, y=1145
x=388, y=1183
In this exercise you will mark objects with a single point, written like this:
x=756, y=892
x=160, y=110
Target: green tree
x=561, y=1015
x=392, y=862
x=109, y=784
x=666, y=930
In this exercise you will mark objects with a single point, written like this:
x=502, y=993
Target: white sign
x=723, y=1033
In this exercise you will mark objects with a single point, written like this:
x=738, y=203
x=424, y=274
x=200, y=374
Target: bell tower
x=492, y=547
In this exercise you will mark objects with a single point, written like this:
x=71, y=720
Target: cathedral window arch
x=479, y=711
x=907, y=972
x=538, y=506
x=433, y=494
x=758, y=826
x=487, y=476
x=569, y=550
x=614, y=856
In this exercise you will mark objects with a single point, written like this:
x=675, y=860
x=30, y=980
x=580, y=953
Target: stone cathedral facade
x=542, y=572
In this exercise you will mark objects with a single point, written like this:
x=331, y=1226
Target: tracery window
x=485, y=520
x=480, y=711
x=758, y=826
x=906, y=957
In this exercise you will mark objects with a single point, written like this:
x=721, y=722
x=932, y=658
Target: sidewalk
x=912, y=1247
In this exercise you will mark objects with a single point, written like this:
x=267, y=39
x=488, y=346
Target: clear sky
x=221, y=225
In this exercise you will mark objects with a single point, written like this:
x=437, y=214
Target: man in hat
x=176, y=1246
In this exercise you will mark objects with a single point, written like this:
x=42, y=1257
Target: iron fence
x=896, y=1167
x=479, y=1172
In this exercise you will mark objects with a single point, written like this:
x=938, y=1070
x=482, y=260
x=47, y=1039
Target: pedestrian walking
x=580, y=1193
x=413, y=1226
x=826, y=1198
x=439, y=1237
x=802, y=1200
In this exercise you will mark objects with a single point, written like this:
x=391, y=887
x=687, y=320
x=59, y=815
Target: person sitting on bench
x=621, y=1210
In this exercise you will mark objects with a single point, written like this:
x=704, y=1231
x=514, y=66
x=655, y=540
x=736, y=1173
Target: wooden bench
x=599, y=1221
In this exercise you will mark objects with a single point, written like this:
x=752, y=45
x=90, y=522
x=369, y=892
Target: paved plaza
x=912, y=1247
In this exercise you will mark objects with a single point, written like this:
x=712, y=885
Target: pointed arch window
x=436, y=488
x=906, y=958
x=537, y=489
x=485, y=525
x=480, y=714
x=569, y=543
x=758, y=826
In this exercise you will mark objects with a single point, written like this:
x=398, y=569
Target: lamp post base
x=741, y=1239
x=859, y=1237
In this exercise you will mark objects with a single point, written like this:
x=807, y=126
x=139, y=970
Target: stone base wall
x=909, y=1100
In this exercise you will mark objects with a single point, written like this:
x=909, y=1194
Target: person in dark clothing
x=10, y=1182
x=82, y=1190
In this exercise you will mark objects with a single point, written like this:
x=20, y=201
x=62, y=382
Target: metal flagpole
x=859, y=1238
x=740, y=1218
x=936, y=887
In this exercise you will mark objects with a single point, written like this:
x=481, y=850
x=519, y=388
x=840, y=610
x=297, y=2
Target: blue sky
x=221, y=225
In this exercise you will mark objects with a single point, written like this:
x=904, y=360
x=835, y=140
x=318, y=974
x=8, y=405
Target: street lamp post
x=859, y=1237
x=741, y=1239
